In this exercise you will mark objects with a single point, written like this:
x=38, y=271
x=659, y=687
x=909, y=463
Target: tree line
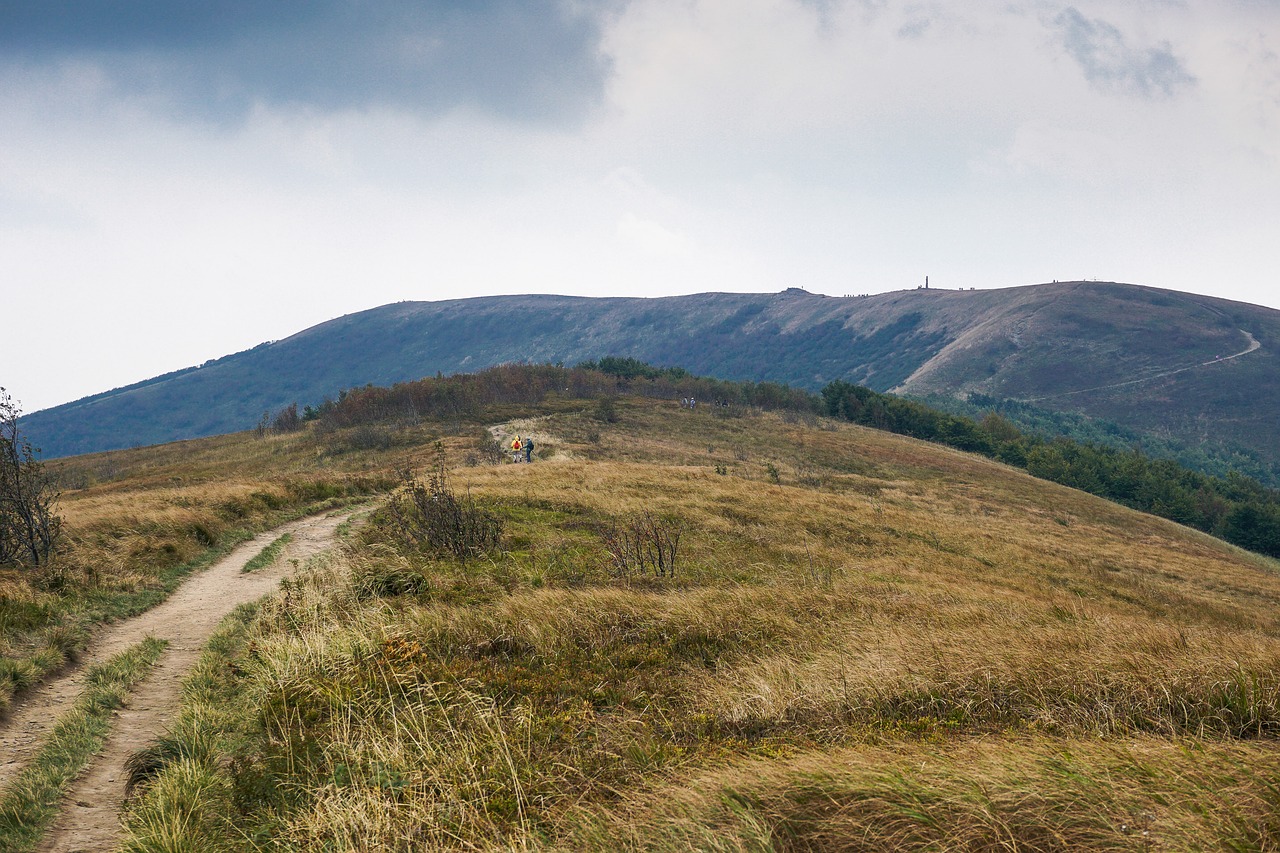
x=466, y=396
x=1218, y=458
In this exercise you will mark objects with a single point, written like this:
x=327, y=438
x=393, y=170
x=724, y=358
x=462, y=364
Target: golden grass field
x=868, y=643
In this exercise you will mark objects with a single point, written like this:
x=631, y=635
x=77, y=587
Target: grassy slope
x=1049, y=343
x=138, y=521
x=871, y=643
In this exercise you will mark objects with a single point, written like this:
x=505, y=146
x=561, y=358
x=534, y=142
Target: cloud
x=364, y=152
x=527, y=59
x=651, y=237
x=1110, y=64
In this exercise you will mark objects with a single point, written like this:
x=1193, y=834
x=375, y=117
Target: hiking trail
x=89, y=818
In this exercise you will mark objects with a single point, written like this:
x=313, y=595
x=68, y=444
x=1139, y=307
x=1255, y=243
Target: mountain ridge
x=1066, y=344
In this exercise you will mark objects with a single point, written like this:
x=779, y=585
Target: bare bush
x=29, y=522
x=648, y=543
x=488, y=451
x=287, y=419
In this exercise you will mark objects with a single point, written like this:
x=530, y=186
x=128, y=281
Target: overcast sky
x=180, y=180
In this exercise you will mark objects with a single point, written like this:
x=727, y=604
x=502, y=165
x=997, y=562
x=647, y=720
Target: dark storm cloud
x=1110, y=64
x=533, y=59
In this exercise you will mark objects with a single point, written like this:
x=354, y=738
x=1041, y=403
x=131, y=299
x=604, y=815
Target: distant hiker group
x=692, y=403
x=521, y=449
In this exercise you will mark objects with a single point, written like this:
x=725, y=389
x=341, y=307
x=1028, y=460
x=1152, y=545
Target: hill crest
x=1068, y=345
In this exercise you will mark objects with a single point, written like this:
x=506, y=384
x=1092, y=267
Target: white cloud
x=846, y=147
x=651, y=237
x=1112, y=64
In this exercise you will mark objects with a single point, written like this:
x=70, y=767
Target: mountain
x=1191, y=368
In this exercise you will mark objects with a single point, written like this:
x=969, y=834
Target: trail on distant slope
x=1254, y=345
x=90, y=811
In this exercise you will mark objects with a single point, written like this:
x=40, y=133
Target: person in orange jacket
x=516, y=448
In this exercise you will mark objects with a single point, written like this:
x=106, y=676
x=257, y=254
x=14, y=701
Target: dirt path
x=89, y=819
x=1254, y=345
x=527, y=428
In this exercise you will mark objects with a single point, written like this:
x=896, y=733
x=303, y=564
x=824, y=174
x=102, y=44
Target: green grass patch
x=183, y=798
x=268, y=555
x=30, y=803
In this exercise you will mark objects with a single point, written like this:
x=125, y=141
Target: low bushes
x=436, y=521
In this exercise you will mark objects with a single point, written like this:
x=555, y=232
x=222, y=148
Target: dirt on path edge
x=89, y=819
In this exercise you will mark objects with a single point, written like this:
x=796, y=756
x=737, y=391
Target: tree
x=1254, y=526
x=29, y=523
x=287, y=420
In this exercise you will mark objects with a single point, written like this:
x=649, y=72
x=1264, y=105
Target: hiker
x=528, y=450
x=515, y=449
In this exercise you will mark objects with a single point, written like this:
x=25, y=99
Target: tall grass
x=1026, y=793
x=870, y=644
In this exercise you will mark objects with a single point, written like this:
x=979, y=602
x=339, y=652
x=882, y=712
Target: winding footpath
x=1254, y=345
x=89, y=820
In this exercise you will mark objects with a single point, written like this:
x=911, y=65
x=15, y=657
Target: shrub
x=488, y=450
x=648, y=543
x=360, y=437
x=606, y=410
x=430, y=517
x=287, y=419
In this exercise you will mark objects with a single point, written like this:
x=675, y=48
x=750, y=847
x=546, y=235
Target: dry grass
x=1018, y=793
x=871, y=644
x=136, y=522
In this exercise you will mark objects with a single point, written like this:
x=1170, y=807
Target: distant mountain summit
x=1161, y=362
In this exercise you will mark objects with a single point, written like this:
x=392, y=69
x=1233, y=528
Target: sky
x=180, y=181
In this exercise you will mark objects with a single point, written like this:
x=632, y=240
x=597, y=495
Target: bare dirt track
x=90, y=812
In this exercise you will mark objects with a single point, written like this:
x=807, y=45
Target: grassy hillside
x=1153, y=361
x=1145, y=359
x=866, y=642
